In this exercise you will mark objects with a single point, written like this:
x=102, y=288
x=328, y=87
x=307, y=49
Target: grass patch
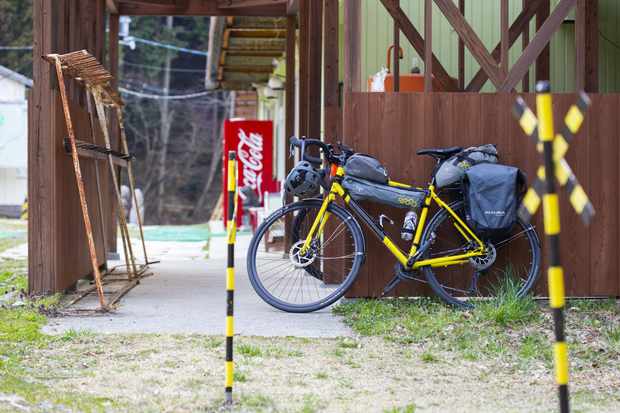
x=249, y=350
x=410, y=408
x=429, y=357
x=511, y=330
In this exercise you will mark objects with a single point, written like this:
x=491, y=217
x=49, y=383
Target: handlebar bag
x=492, y=194
x=364, y=190
x=451, y=171
x=366, y=167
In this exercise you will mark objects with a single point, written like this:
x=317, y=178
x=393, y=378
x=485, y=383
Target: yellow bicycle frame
x=463, y=229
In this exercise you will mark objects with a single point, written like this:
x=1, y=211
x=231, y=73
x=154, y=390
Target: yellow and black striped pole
x=551, y=211
x=230, y=272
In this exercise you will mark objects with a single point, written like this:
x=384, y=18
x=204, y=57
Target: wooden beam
x=586, y=43
x=196, y=8
x=525, y=40
x=396, y=56
x=428, y=45
x=292, y=7
x=543, y=62
x=230, y=4
x=461, y=51
x=504, y=27
x=352, y=46
x=521, y=22
x=331, y=110
x=113, y=45
x=538, y=43
x=414, y=37
x=112, y=6
x=471, y=40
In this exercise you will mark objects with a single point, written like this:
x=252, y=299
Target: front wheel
x=293, y=280
x=510, y=266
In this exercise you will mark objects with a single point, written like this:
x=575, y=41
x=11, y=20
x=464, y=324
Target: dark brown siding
x=393, y=126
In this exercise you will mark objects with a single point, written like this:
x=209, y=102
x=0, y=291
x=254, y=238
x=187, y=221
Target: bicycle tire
x=440, y=290
x=304, y=206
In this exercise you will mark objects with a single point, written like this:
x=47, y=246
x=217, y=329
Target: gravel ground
x=152, y=373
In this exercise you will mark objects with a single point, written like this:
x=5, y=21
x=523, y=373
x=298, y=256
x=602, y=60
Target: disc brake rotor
x=485, y=261
x=298, y=259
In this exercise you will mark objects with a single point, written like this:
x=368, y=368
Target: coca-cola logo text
x=250, y=152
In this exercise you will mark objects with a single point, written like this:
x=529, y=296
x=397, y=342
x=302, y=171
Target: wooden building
x=327, y=50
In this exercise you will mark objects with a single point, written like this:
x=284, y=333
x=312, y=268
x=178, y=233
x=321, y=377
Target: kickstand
x=393, y=283
x=473, y=289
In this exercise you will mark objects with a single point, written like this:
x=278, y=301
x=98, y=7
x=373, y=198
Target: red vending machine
x=252, y=140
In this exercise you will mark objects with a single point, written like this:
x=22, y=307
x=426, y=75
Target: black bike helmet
x=303, y=181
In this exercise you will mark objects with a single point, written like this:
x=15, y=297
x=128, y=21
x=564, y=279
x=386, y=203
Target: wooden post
x=291, y=39
x=315, y=62
x=291, y=35
x=396, y=56
x=525, y=41
x=352, y=46
x=586, y=43
x=113, y=52
x=303, y=66
x=543, y=65
x=330, y=70
x=504, y=27
x=42, y=158
x=461, y=51
x=428, y=45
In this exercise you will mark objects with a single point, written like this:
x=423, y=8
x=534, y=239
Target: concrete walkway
x=187, y=295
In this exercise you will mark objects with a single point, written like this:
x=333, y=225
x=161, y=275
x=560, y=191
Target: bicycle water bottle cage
x=382, y=217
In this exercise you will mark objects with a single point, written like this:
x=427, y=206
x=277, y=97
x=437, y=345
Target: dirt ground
x=150, y=373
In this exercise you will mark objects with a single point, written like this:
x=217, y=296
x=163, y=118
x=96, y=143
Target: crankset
x=400, y=274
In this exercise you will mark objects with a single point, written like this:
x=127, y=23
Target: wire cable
x=165, y=97
x=163, y=69
x=129, y=39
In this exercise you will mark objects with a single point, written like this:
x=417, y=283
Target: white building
x=13, y=141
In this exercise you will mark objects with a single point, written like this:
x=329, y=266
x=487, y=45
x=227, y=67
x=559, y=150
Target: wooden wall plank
x=356, y=136
x=601, y=139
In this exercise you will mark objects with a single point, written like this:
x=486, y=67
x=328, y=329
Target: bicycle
x=306, y=255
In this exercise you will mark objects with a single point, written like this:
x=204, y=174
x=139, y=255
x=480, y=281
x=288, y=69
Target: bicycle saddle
x=440, y=153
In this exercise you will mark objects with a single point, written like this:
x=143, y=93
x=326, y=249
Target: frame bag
x=363, y=190
x=452, y=169
x=492, y=194
x=366, y=167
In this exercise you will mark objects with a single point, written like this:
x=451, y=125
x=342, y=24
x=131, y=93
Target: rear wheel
x=510, y=266
x=293, y=281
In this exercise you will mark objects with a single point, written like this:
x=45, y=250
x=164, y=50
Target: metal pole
x=230, y=273
x=551, y=211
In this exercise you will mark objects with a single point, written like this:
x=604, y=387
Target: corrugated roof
x=5, y=72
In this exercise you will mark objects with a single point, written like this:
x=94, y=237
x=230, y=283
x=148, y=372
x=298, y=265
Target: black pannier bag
x=364, y=190
x=366, y=167
x=492, y=194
